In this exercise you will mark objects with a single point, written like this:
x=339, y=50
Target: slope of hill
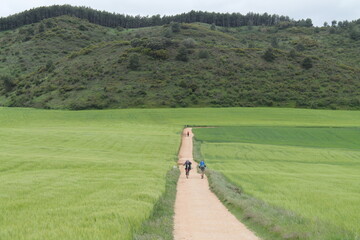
x=66, y=62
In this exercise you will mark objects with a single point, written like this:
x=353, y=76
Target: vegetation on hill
x=69, y=63
x=127, y=21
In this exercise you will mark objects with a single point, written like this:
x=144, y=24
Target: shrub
x=134, y=62
x=355, y=34
x=332, y=30
x=41, y=28
x=49, y=24
x=269, y=55
x=182, y=55
x=82, y=28
x=136, y=42
x=159, y=54
x=50, y=66
x=203, y=54
x=292, y=53
x=120, y=29
x=7, y=83
x=189, y=43
x=175, y=27
x=156, y=44
x=300, y=47
x=307, y=63
x=167, y=33
x=284, y=24
x=274, y=42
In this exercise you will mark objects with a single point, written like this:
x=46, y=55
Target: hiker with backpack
x=187, y=165
x=202, y=167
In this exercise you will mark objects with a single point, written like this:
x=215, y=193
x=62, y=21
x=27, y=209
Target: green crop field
x=85, y=175
x=97, y=174
x=313, y=172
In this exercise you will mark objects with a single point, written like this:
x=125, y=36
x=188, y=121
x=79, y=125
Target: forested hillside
x=120, y=20
x=69, y=63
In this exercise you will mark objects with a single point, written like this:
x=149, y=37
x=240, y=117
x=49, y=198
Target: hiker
x=188, y=133
x=202, y=167
x=187, y=165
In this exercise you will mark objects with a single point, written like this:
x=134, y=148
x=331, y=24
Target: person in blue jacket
x=202, y=167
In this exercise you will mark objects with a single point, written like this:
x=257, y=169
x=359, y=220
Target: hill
x=70, y=63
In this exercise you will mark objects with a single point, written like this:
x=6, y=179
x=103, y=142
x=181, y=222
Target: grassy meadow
x=98, y=174
x=313, y=172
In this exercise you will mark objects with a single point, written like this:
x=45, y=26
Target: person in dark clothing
x=187, y=165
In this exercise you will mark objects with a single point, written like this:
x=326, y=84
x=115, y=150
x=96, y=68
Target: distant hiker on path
x=188, y=133
x=187, y=165
x=202, y=167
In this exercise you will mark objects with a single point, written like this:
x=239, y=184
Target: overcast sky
x=318, y=10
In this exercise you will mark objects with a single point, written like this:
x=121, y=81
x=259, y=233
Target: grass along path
x=314, y=174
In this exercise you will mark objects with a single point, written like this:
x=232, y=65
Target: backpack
x=202, y=164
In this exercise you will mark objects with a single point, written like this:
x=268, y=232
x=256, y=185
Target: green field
x=98, y=174
x=313, y=172
x=85, y=175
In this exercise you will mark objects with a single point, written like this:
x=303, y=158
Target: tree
x=307, y=63
x=305, y=23
x=269, y=55
x=7, y=83
x=333, y=23
x=182, y=55
x=213, y=27
x=326, y=24
x=175, y=27
x=134, y=62
x=355, y=34
x=308, y=22
x=250, y=25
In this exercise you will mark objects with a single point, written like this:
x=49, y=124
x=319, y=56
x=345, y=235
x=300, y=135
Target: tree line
x=126, y=21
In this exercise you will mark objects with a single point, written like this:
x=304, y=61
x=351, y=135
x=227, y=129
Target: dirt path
x=199, y=214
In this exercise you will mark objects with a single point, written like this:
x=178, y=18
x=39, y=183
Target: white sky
x=318, y=10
